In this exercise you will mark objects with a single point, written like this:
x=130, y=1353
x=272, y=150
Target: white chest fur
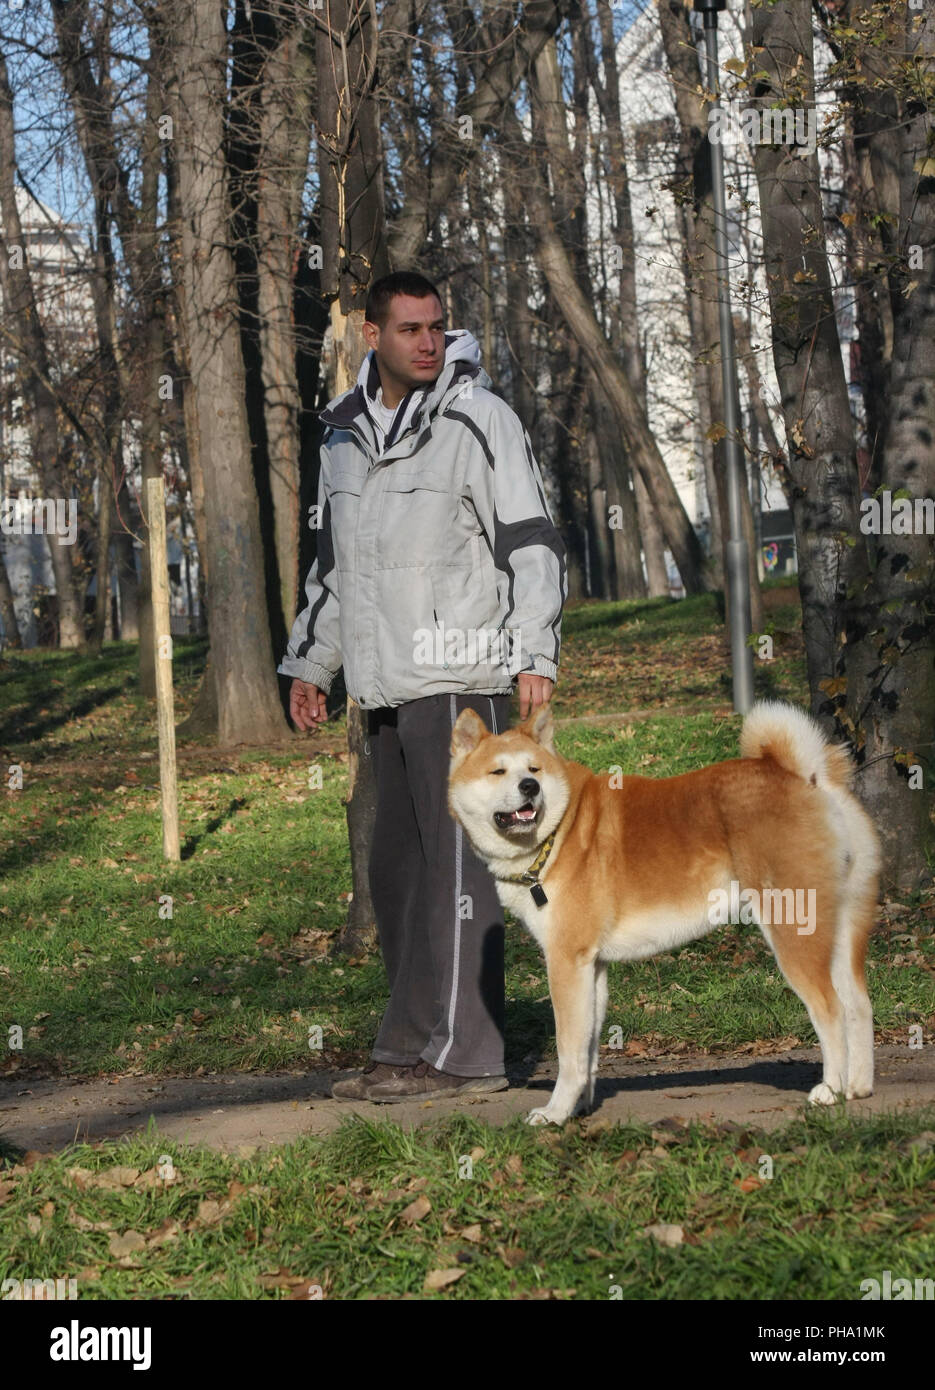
x=517, y=898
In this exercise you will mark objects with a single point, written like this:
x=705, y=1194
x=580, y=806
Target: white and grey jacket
x=439, y=568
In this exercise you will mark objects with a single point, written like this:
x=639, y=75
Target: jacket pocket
x=419, y=512
x=467, y=612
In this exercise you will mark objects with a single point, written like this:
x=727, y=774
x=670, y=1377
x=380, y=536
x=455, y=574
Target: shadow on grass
x=19, y=731
x=214, y=824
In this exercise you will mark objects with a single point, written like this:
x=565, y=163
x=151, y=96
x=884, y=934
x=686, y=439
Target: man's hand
x=533, y=691
x=307, y=705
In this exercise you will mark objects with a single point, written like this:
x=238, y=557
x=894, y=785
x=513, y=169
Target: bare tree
x=249, y=710
x=807, y=354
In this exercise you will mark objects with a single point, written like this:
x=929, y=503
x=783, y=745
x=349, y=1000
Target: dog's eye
x=498, y=772
x=533, y=769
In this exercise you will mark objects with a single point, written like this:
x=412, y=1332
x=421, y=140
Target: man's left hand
x=533, y=691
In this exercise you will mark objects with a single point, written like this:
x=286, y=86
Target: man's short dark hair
x=400, y=282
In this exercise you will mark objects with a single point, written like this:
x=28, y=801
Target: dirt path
x=244, y=1111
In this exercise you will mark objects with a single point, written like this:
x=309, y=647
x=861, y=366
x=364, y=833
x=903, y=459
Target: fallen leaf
x=511, y=1255
x=441, y=1278
x=627, y=1157
x=127, y=1244
x=665, y=1233
x=415, y=1211
x=472, y=1233
x=81, y=1223
x=113, y=1179
x=167, y=1231
x=209, y=1212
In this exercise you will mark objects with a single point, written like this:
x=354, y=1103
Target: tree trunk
x=285, y=126
x=641, y=446
x=625, y=566
x=11, y=636
x=649, y=531
x=125, y=557
x=807, y=355
x=891, y=635
x=694, y=167
x=202, y=721
x=249, y=709
x=353, y=253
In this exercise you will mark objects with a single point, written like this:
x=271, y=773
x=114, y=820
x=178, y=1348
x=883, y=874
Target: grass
x=372, y=1210
x=114, y=961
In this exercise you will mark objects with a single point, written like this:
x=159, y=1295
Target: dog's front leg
x=572, y=984
x=600, y=1009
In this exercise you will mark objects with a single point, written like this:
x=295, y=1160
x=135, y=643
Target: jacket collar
x=414, y=412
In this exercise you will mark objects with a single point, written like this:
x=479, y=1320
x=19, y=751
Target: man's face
x=410, y=347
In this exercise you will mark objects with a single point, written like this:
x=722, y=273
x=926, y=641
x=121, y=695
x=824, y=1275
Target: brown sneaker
x=424, y=1080
x=358, y=1087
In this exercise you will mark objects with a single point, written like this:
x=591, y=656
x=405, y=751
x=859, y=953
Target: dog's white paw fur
x=822, y=1094
x=542, y=1117
x=859, y=1092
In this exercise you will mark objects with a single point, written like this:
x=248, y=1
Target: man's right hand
x=307, y=705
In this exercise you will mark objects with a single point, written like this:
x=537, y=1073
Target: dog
x=603, y=868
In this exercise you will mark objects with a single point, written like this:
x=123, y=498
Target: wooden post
x=162, y=637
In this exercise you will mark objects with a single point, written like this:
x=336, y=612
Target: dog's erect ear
x=467, y=734
x=540, y=727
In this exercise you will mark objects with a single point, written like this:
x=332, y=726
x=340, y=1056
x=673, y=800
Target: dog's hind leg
x=806, y=964
x=573, y=985
x=600, y=1009
x=858, y=913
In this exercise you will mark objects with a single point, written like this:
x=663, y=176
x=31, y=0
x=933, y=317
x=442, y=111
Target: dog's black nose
x=529, y=786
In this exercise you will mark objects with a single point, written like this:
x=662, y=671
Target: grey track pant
x=438, y=916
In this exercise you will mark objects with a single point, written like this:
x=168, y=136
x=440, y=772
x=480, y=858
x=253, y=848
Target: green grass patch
x=372, y=1210
x=114, y=960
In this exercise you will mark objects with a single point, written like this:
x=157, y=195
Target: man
x=439, y=579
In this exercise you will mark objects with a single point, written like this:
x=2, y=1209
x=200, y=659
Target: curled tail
x=796, y=742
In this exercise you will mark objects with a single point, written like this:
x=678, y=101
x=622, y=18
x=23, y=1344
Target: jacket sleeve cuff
x=540, y=666
x=308, y=671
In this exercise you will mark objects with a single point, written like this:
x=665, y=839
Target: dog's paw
x=822, y=1095
x=542, y=1117
x=858, y=1092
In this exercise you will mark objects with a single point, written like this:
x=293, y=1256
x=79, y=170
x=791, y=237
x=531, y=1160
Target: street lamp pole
x=738, y=554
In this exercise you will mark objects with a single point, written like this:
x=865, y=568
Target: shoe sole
x=478, y=1086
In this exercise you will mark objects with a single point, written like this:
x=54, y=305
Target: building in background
x=59, y=258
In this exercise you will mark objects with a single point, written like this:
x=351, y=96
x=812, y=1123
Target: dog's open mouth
x=524, y=816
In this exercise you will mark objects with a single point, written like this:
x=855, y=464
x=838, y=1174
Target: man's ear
x=466, y=735
x=540, y=727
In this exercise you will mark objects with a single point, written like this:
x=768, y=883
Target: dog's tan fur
x=633, y=867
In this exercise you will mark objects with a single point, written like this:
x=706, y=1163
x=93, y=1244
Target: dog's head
x=509, y=791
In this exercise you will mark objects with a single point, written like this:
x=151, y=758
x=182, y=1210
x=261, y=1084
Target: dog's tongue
x=525, y=813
